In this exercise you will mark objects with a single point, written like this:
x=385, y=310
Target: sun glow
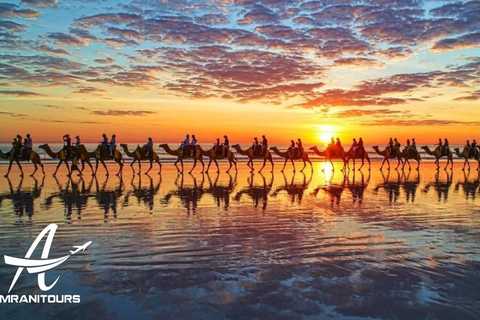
x=326, y=132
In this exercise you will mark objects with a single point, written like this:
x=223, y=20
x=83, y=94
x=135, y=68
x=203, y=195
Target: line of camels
x=83, y=156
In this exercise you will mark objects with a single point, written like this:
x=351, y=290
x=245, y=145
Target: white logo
x=40, y=266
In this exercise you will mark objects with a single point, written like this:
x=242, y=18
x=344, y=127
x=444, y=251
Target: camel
x=330, y=154
x=182, y=155
x=386, y=154
x=413, y=154
x=139, y=155
x=117, y=157
x=437, y=153
x=251, y=154
x=62, y=156
x=85, y=157
x=289, y=155
x=466, y=155
x=359, y=153
x=34, y=157
x=214, y=156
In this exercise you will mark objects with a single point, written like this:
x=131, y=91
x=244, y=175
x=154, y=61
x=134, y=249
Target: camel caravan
x=75, y=155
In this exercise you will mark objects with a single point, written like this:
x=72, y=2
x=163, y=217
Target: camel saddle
x=187, y=151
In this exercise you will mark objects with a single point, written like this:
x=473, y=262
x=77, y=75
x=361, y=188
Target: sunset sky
x=286, y=68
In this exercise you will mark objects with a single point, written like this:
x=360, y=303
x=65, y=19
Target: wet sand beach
x=362, y=245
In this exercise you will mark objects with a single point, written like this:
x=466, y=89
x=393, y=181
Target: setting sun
x=326, y=132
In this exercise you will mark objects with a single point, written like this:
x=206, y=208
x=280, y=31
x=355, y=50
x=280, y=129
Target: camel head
x=43, y=146
x=375, y=147
x=163, y=145
x=312, y=148
x=123, y=145
x=425, y=148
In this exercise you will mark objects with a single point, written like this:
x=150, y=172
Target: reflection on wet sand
x=143, y=194
x=359, y=245
x=440, y=185
x=394, y=182
x=22, y=199
x=350, y=181
x=468, y=187
x=294, y=190
x=189, y=195
x=258, y=193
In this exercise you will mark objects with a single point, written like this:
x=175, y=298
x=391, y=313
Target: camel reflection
x=357, y=189
x=221, y=193
x=355, y=185
x=22, y=200
x=294, y=190
x=401, y=182
x=442, y=188
x=107, y=198
x=255, y=192
x=188, y=195
x=410, y=186
x=74, y=196
x=143, y=194
x=469, y=188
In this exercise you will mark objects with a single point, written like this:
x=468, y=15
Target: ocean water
x=321, y=245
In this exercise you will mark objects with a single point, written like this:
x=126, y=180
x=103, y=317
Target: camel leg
x=368, y=160
x=284, y=164
x=193, y=167
x=363, y=162
x=273, y=166
x=383, y=162
x=209, y=163
x=139, y=166
x=68, y=169
x=250, y=166
x=150, y=168
x=398, y=164
x=230, y=167
x=333, y=167
x=105, y=166
x=293, y=164
x=91, y=168
x=35, y=170
x=216, y=163
x=120, y=169
x=388, y=162
x=19, y=167
x=58, y=166
x=159, y=167
x=9, y=167
x=264, y=162
x=311, y=165
x=304, y=165
x=96, y=167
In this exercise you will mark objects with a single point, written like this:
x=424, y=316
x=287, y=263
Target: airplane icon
x=80, y=248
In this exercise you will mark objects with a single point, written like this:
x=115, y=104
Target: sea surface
x=321, y=245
